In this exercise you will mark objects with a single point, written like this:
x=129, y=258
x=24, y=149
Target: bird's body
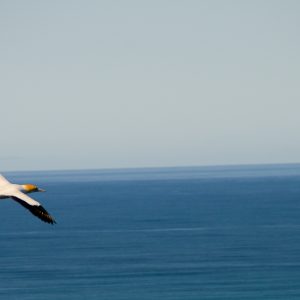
x=19, y=193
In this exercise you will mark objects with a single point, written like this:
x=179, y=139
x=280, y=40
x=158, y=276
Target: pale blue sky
x=106, y=84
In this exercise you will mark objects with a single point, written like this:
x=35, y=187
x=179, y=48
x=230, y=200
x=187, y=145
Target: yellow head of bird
x=30, y=188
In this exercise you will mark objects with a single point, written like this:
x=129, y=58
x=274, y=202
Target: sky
x=121, y=84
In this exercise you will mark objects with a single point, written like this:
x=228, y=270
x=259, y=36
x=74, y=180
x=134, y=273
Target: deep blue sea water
x=146, y=234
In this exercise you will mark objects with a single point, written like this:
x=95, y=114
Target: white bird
x=18, y=193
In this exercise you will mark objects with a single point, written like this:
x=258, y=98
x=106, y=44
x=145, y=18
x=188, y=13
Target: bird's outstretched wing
x=3, y=180
x=33, y=206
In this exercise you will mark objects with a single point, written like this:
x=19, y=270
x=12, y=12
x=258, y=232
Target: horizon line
x=155, y=167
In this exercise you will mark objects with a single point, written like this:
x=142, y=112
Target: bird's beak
x=41, y=190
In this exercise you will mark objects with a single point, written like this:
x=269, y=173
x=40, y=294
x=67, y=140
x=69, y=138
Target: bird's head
x=31, y=188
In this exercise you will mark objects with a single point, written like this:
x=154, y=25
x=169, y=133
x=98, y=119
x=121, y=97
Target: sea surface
x=163, y=233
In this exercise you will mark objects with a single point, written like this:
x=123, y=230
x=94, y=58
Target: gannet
x=18, y=193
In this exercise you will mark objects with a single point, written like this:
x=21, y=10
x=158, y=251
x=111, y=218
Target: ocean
x=163, y=233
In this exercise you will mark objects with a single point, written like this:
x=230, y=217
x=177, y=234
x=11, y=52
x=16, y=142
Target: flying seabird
x=18, y=193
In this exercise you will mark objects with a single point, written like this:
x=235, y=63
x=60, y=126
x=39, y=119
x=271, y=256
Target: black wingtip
x=37, y=210
x=44, y=215
x=53, y=222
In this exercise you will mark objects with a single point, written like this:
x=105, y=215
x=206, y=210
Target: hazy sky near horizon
x=101, y=84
